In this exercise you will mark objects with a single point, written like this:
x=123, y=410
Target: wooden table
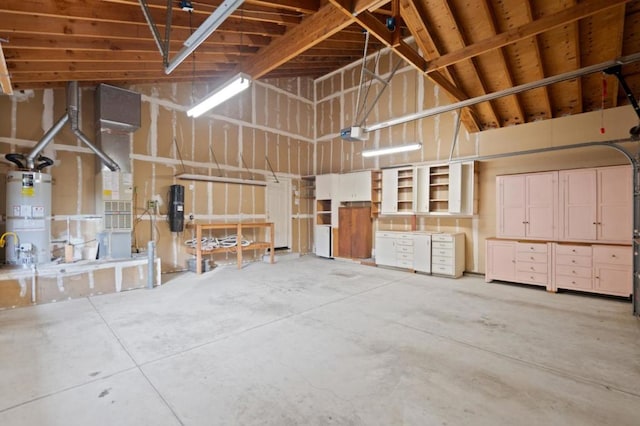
x=256, y=245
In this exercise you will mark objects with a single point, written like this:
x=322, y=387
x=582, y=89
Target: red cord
x=604, y=95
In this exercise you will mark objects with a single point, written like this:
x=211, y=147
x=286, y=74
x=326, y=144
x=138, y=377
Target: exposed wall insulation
x=410, y=92
x=274, y=119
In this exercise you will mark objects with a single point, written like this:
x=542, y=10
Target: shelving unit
x=405, y=191
x=376, y=192
x=323, y=212
x=439, y=189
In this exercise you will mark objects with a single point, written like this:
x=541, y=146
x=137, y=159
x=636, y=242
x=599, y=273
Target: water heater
x=29, y=217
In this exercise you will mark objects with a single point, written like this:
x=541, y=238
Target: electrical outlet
x=152, y=204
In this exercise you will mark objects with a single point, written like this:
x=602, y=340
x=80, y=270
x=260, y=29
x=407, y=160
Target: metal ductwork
x=72, y=114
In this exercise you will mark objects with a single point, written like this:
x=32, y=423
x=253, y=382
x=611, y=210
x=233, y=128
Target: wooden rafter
x=479, y=80
x=411, y=15
x=547, y=110
x=581, y=10
x=313, y=29
x=5, y=80
x=613, y=91
x=508, y=74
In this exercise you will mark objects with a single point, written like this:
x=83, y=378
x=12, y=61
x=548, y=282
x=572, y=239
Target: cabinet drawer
x=404, y=241
x=574, y=271
x=573, y=250
x=404, y=256
x=571, y=260
x=442, y=269
x=531, y=257
x=441, y=260
x=441, y=244
x=613, y=255
x=582, y=283
x=404, y=249
x=386, y=234
x=531, y=277
x=403, y=263
x=443, y=252
x=531, y=267
x=442, y=237
x=531, y=247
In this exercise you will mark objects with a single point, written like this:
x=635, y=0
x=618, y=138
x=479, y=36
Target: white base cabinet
x=408, y=250
x=447, y=254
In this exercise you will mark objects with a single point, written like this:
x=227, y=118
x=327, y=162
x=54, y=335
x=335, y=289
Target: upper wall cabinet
x=527, y=206
x=354, y=187
x=397, y=191
x=596, y=204
x=446, y=189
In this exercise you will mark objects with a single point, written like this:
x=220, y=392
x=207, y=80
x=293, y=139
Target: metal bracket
x=271, y=168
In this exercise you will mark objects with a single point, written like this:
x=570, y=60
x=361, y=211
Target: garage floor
x=316, y=342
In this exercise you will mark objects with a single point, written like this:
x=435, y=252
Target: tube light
x=228, y=90
x=205, y=30
x=391, y=150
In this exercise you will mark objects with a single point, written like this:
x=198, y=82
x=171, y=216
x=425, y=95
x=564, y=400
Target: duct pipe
x=48, y=137
x=104, y=157
x=506, y=92
x=72, y=111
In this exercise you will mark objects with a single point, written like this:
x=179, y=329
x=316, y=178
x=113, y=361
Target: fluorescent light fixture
x=228, y=90
x=205, y=30
x=391, y=150
x=205, y=178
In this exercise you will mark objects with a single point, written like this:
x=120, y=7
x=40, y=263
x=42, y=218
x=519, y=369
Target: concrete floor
x=317, y=342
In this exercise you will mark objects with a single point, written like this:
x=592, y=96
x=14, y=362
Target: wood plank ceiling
x=468, y=47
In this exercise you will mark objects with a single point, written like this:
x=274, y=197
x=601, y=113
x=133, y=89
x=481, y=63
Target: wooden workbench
x=238, y=227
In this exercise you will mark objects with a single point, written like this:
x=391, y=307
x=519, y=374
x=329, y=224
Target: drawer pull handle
x=613, y=255
x=573, y=261
x=573, y=250
x=532, y=258
x=573, y=282
x=573, y=272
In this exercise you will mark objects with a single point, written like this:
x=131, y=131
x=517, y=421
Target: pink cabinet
x=573, y=268
x=501, y=260
x=613, y=270
x=596, y=204
x=527, y=206
x=518, y=261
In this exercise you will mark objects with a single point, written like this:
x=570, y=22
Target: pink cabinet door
x=578, y=194
x=613, y=279
x=510, y=206
x=541, y=205
x=615, y=200
x=501, y=260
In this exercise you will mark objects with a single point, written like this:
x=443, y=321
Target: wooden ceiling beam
x=66, y=55
x=547, y=110
x=20, y=24
x=519, y=116
x=301, y=6
x=564, y=17
x=461, y=40
x=95, y=12
x=18, y=67
x=313, y=29
x=412, y=16
x=615, y=84
x=5, y=80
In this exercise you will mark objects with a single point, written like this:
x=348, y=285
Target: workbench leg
x=272, y=232
x=239, y=245
x=198, y=249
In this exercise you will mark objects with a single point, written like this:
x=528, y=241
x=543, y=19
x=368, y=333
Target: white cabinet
x=354, y=187
x=446, y=189
x=447, y=254
x=323, y=242
x=397, y=191
x=326, y=199
x=394, y=249
x=422, y=252
x=409, y=250
x=527, y=206
x=326, y=186
x=596, y=204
